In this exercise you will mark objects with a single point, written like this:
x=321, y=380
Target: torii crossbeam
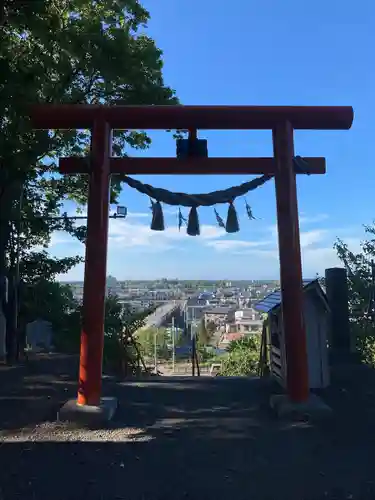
x=103, y=119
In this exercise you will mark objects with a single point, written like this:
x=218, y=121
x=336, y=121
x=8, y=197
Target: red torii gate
x=282, y=120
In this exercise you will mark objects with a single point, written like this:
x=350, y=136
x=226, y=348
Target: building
x=245, y=321
x=194, y=308
x=316, y=316
x=217, y=315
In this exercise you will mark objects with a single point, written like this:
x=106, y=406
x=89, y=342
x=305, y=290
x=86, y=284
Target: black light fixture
x=121, y=212
x=192, y=147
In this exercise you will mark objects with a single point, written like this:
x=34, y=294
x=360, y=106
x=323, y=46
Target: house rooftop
x=273, y=300
x=247, y=312
x=218, y=310
x=196, y=302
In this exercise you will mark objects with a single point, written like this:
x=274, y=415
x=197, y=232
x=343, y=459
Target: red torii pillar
x=101, y=120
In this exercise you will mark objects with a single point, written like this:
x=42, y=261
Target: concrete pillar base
x=312, y=409
x=88, y=416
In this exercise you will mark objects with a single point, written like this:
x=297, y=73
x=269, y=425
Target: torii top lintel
x=71, y=116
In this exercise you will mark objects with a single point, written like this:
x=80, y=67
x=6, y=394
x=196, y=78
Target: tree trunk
x=11, y=321
x=8, y=194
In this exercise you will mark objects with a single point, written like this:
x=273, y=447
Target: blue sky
x=256, y=52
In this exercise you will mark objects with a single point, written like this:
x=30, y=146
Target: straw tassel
x=157, y=223
x=249, y=211
x=219, y=220
x=193, y=223
x=181, y=219
x=232, y=225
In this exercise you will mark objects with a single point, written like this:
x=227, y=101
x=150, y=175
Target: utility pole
x=193, y=346
x=173, y=345
x=156, y=351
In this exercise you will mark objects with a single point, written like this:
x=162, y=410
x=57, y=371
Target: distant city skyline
x=160, y=280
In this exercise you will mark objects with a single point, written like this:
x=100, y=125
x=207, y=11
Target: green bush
x=243, y=357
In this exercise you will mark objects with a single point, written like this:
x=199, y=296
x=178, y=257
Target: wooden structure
x=336, y=283
x=102, y=119
x=316, y=313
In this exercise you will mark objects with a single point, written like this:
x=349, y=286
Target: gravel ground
x=188, y=438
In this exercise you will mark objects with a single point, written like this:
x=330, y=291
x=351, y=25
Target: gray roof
x=196, y=302
x=273, y=300
x=218, y=310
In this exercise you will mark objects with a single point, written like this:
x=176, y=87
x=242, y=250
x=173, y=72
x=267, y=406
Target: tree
x=47, y=300
x=360, y=283
x=211, y=328
x=147, y=339
x=76, y=52
x=205, y=332
x=203, y=336
x=121, y=350
x=111, y=282
x=114, y=316
x=54, y=302
x=37, y=266
x=243, y=357
x=79, y=51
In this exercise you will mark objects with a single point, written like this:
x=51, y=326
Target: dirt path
x=189, y=438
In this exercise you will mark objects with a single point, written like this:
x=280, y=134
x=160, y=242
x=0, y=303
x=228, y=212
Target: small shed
x=316, y=316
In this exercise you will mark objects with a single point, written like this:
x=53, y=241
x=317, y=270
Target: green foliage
x=162, y=337
x=358, y=266
x=120, y=354
x=203, y=335
x=359, y=276
x=121, y=350
x=211, y=328
x=250, y=342
x=47, y=300
x=38, y=267
x=243, y=357
x=114, y=321
x=54, y=302
x=76, y=52
x=206, y=353
x=205, y=332
x=79, y=51
x=147, y=339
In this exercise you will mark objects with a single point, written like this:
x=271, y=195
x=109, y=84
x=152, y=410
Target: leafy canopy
x=60, y=51
x=361, y=287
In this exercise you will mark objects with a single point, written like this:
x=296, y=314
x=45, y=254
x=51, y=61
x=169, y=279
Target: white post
x=173, y=345
x=155, y=351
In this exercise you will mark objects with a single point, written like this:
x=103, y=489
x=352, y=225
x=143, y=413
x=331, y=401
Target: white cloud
x=137, y=215
x=207, y=232
x=130, y=233
x=123, y=233
x=317, y=250
x=316, y=260
x=309, y=238
x=58, y=238
x=170, y=210
x=236, y=245
x=303, y=219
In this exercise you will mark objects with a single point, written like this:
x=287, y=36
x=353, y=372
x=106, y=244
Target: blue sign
x=186, y=349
